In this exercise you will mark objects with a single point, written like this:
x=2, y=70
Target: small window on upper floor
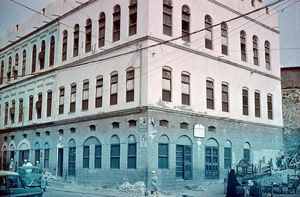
x=42, y=55
x=164, y=123
x=132, y=17
x=166, y=84
x=224, y=34
x=60, y=132
x=88, y=35
x=76, y=40
x=114, y=88
x=267, y=55
x=167, y=17
x=130, y=85
x=99, y=91
x=245, y=101
x=24, y=135
x=257, y=104
x=52, y=48
x=92, y=127
x=61, y=100
x=73, y=98
x=47, y=133
x=185, y=23
x=85, y=95
x=132, y=123
x=38, y=106
x=116, y=23
x=115, y=125
x=64, y=45
x=255, y=50
x=101, y=21
x=243, y=46
x=185, y=85
x=184, y=125
x=208, y=32
x=38, y=134
x=72, y=130
x=210, y=94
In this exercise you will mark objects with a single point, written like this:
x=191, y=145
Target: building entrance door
x=60, y=162
x=184, y=162
x=72, y=158
x=23, y=154
x=211, y=162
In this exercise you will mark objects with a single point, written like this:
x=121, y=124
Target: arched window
x=9, y=69
x=184, y=125
x=16, y=67
x=224, y=34
x=116, y=23
x=163, y=152
x=255, y=50
x=114, y=88
x=164, y=123
x=12, y=112
x=132, y=17
x=166, y=84
x=185, y=23
x=76, y=40
x=2, y=71
x=225, y=97
x=245, y=101
x=21, y=110
x=73, y=98
x=115, y=152
x=227, y=155
x=210, y=94
x=85, y=95
x=185, y=85
x=33, y=63
x=270, y=106
x=257, y=103
x=24, y=63
x=86, y=152
x=42, y=55
x=61, y=100
x=99, y=91
x=267, y=55
x=243, y=46
x=131, y=160
x=246, y=151
x=130, y=85
x=52, y=48
x=212, y=159
x=167, y=17
x=88, y=35
x=208, y=32
x=64, y=45
x=101, y=21
x=38, y=106
x=30, y=111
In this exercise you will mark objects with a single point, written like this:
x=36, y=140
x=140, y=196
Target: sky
x=289, y=24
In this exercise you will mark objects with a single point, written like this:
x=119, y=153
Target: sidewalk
x=215, y=189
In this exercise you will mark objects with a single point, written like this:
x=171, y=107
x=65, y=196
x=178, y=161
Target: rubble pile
x=137, y=188
x=276, y=177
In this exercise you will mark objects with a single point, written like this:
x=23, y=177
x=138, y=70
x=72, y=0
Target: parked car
x=11, y=185
x=31, y=175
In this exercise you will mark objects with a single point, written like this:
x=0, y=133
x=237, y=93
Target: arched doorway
x=184, y=165
x=212, y=159
x=23, y=147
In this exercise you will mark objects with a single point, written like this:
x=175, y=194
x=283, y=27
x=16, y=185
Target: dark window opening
x=132, y=17
x=101, y=22
x=76, y=40
x=88, y=36
x=116, y=23
x=210, y=94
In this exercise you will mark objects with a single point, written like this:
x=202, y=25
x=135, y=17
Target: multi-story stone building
x=110, y=90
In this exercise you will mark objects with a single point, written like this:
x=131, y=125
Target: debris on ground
x=138, y=187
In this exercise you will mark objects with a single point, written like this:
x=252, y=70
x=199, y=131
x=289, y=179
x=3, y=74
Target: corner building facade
x=132, y=89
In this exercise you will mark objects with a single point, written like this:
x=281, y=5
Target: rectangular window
x=73, y=98
x=6, y=114
x=246, y=154
x=225, y=100
x=61, y=100
x=245, y=102
x=86, y=156
x=227, y=158
x=49, y=104
x=209, y=94
x=257, y=104
x=39, y=106
x=163, y=155
x=132, y=18
x=21, y=110
x=167, y=18
x=211, y=163
x=185, y=86
x=30, y=108
x=270, y=107
x=131, y=160
x=98, y=156
x=130, y=86
x=114, y=89
x=85, y=96
x=99, y=92
x=115, y=156
x=166, y=85
x=46, y=158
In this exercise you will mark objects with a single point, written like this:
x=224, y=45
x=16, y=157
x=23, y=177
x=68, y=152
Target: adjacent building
x=108, y=91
